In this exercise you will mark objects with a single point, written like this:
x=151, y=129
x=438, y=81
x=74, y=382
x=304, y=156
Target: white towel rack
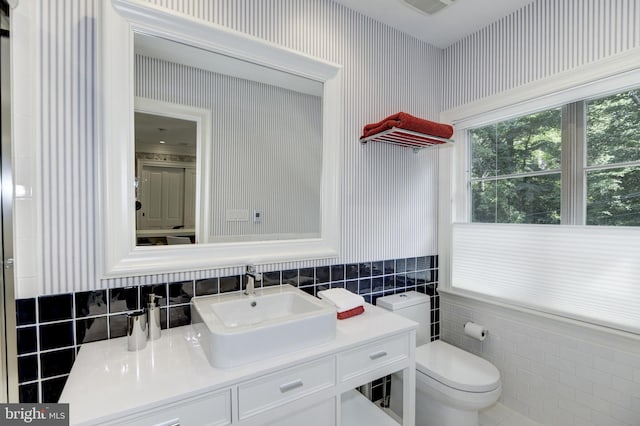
x=406, y=138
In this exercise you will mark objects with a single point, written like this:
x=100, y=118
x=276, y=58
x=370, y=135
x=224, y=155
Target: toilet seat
x=456, y=368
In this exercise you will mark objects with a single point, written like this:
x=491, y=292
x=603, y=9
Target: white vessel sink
x=236, y=329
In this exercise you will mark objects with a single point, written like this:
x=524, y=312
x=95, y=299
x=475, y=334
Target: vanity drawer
x=210, y=409
x=369, y=357
x=284, y=386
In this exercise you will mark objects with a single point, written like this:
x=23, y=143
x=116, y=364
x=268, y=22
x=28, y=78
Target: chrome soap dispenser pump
x=153, y=317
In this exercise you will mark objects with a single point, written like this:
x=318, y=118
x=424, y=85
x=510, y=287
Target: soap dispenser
x=153, y=317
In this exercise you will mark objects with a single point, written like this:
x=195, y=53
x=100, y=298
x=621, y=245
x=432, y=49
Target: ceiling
x=177, y=136
x=444, y=27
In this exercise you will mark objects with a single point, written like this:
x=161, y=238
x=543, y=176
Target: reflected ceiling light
x=162, y=142
x=429, y=6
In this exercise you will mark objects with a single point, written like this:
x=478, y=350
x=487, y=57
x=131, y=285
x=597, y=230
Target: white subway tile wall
x=553, y=373
x=500, y=415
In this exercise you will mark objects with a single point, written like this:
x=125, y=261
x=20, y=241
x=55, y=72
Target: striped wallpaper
x=65, y=75
x=543, y=38
x=388, y=193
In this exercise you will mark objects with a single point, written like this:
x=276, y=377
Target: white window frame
x=601, y=78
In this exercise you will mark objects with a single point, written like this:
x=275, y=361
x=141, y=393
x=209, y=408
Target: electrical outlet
x=257, y=216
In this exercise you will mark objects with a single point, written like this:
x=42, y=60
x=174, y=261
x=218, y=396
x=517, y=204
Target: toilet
x=452, y=385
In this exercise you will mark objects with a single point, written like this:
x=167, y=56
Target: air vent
x=429, y=6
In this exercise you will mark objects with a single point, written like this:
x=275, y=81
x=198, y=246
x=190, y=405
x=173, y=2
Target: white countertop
x=106, y=379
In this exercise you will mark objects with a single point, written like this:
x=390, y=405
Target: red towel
x=351, y=312
x=406, y=121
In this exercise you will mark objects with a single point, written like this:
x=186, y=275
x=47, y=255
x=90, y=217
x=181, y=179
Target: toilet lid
x=456, y=368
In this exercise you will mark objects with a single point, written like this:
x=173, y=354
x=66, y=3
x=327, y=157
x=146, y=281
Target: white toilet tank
x=413, y=305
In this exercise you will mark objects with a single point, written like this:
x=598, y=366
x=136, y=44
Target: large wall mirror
x=218, y=149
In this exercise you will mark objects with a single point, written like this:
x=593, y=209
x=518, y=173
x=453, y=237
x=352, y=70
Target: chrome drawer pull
x=377, y=355
x=291, y=386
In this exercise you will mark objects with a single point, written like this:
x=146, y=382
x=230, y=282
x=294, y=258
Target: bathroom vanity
x=170, y=382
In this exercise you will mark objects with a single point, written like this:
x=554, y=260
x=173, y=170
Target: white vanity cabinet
x=210, y=409
x=258, y=397
x=170, y=382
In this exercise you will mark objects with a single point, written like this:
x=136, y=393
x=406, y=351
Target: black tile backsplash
x=410, y=264
x=25, y=311
x=91, y=330
x=389, y=266
x=422, y=263
x=271, y=278
x=56, y=335
x=27, y=368
x=306, y=277
x=352, y=286
x=310, y=290
x=337, y=272
x=179, y=316
x=159, y=290
x=323, y=274
x=117, y=326
x=229, y=284
x=207, y=287
x=377, y=268
x=351, y=271
x=401, y=265
x=52, y=388
x=54, y=308
x=364, y=286
x=27, y=340
x=29, y=392
x=163, y=318
x=180, y=292
x=290, y=276
x=123, y=299
x=52, y=328
x=56, y=363
x=389, y=282
x=90, y=303
x=364, y=270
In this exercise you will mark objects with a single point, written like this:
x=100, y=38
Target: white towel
x=341, y=298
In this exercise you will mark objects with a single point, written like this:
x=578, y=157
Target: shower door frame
x=8, y=335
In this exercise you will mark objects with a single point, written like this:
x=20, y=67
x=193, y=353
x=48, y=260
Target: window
x=566, y=151
x=515, y=172
x=613, y=160
x=517, y=166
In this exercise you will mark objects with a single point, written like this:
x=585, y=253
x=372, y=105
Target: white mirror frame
x=118, y=252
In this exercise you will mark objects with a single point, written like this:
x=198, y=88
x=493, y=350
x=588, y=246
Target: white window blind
x=585, y=273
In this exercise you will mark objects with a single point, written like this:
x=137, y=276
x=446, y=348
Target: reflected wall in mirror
x=264, y=156
x=267, y=161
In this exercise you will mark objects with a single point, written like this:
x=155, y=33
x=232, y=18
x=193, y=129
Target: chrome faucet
x=251, y=277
